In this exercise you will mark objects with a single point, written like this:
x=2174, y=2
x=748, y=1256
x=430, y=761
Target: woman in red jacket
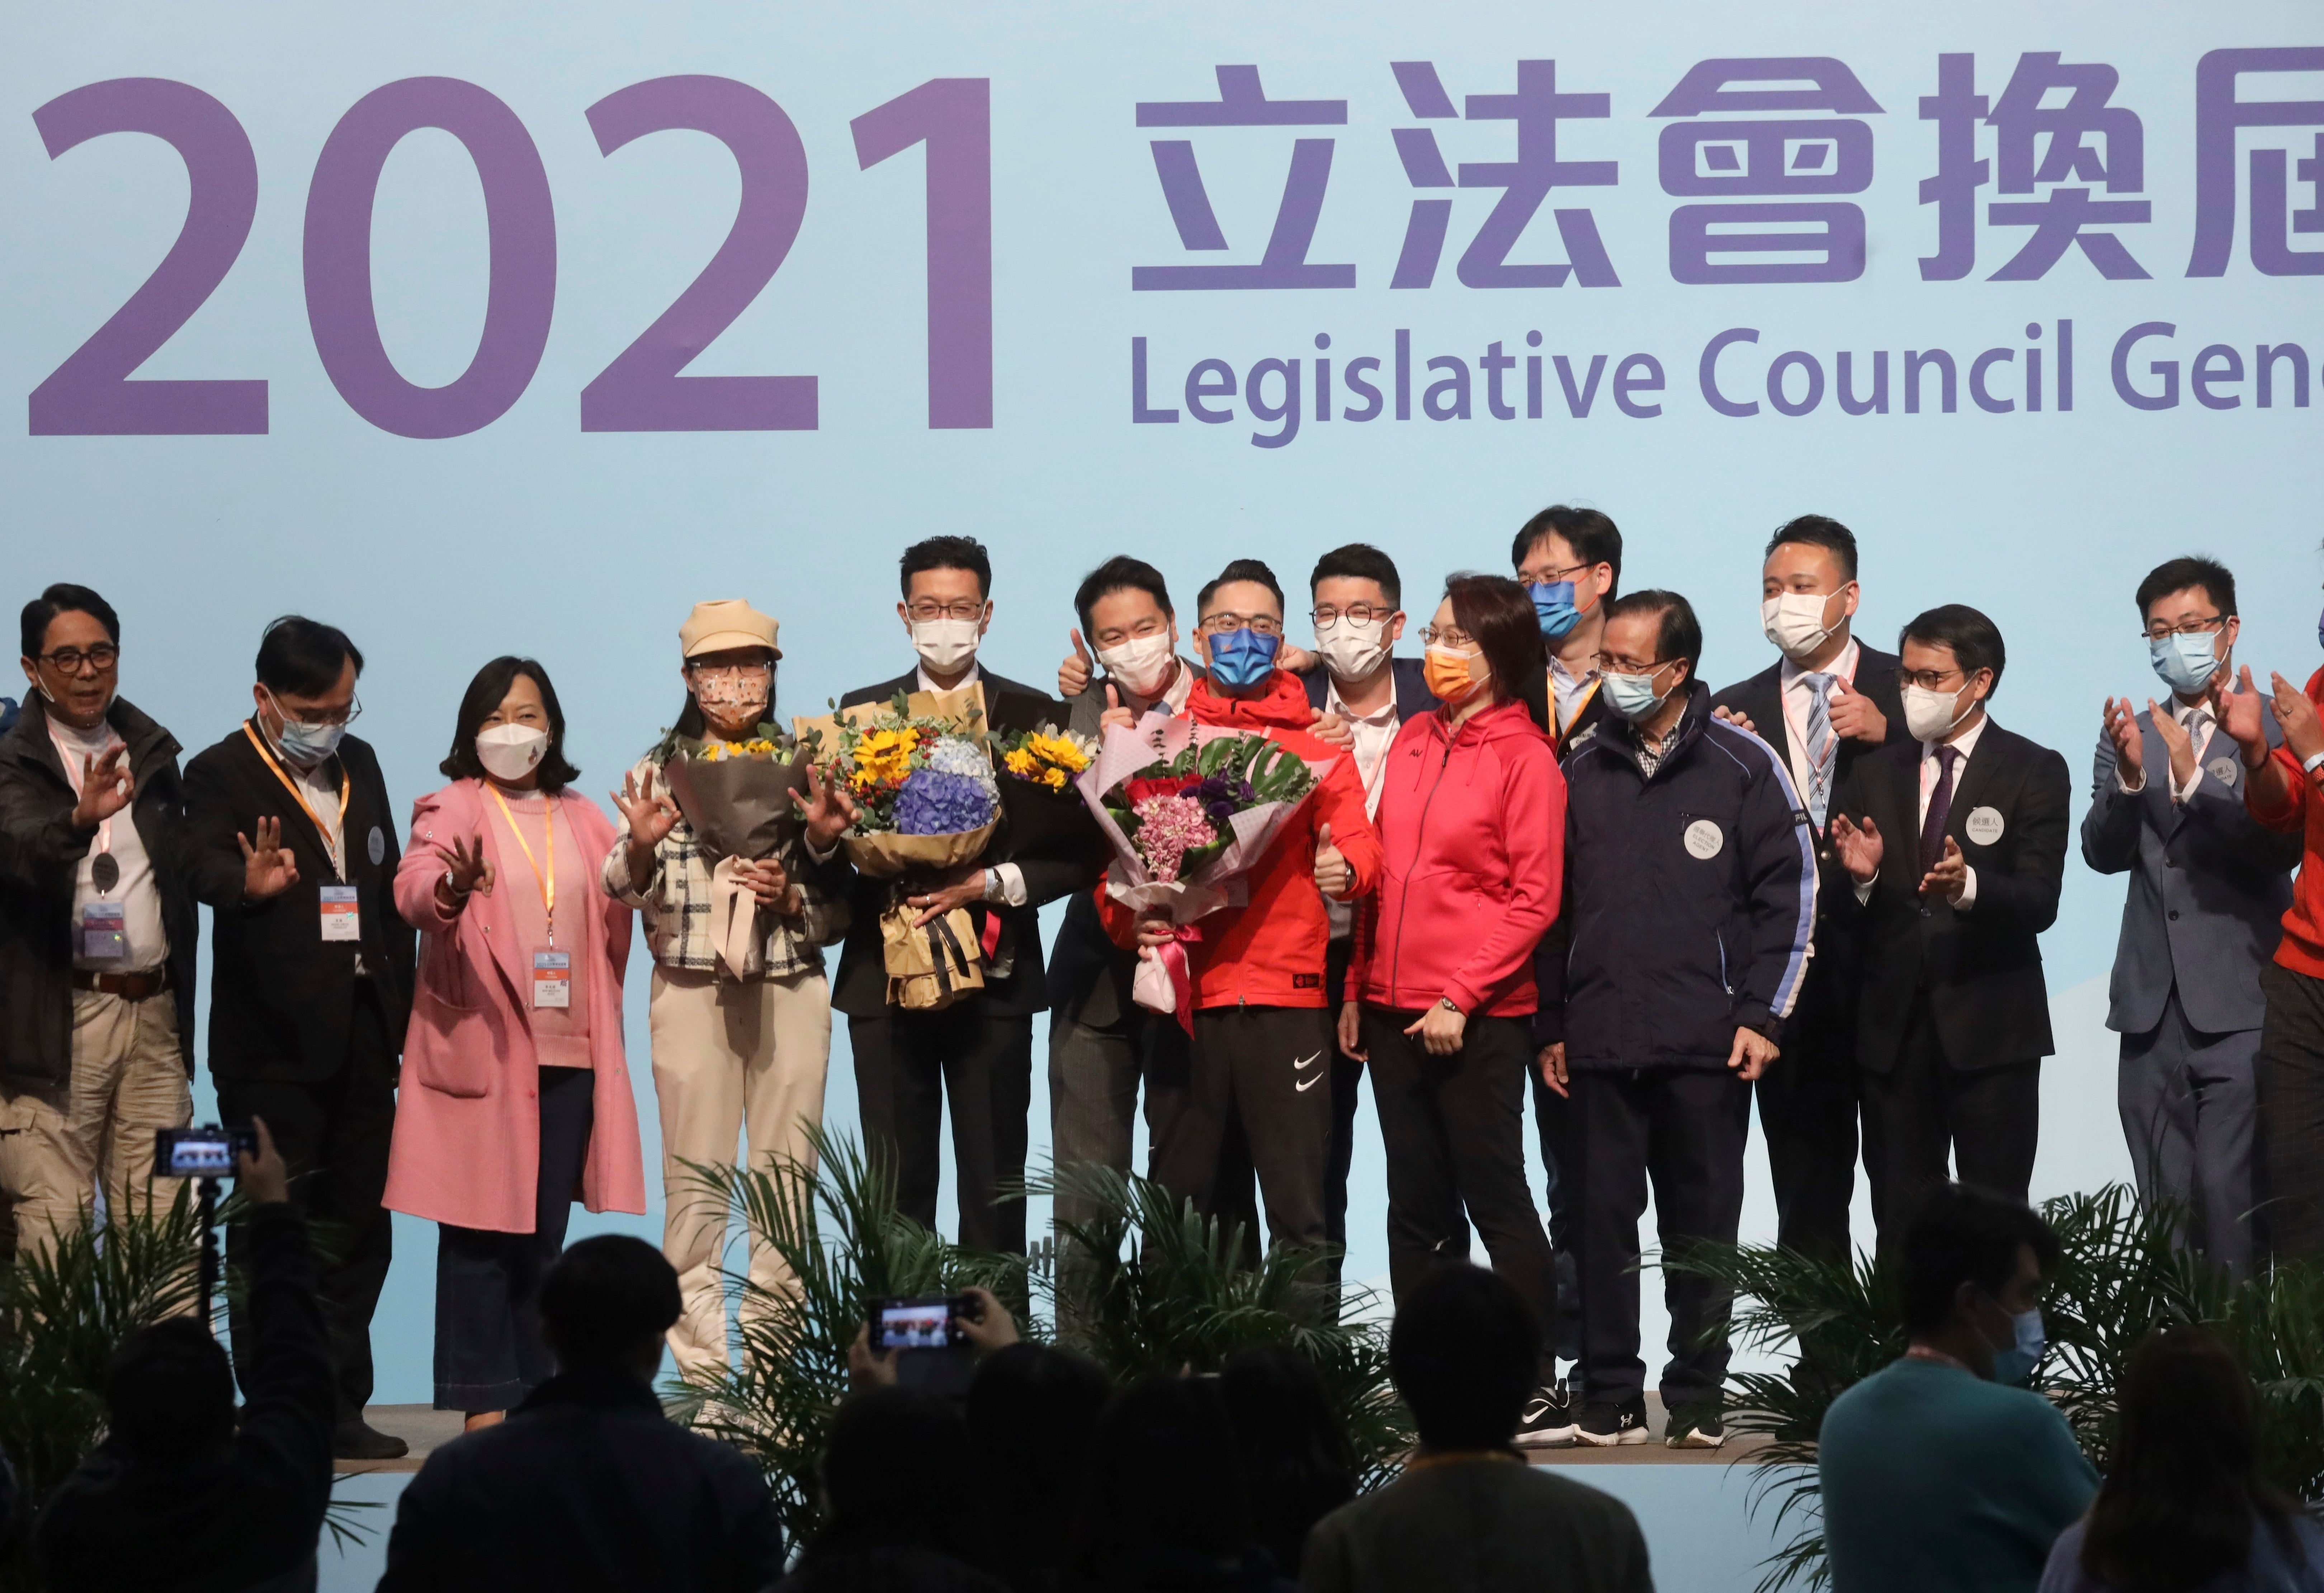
x=1471, y=823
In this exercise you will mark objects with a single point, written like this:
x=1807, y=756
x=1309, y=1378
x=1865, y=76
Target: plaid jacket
x=676, y=902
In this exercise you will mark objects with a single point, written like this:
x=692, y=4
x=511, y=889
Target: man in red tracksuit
x=1261, y=1058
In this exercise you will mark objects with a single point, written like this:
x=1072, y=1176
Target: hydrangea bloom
x=1169, y=828
x=933, y=802
x=952, y=755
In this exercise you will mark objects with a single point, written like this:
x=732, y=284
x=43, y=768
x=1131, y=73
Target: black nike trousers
x=1266, y=1070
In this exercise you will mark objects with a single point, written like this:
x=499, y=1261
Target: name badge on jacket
x=552, y=978
x=342, y=918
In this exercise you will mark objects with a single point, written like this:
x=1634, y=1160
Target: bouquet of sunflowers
x=1042, y=813
x=736, y=794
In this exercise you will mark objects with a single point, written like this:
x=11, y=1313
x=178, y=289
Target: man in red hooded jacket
x=1263, y=1049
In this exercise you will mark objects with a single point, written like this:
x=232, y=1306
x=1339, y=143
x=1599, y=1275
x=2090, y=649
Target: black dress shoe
x=356, y=1439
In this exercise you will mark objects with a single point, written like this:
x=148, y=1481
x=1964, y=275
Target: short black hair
x=1680, y=634
x=1963, y=1235
x=1976, y=640
x=483, y=695
x=1591, y=534
x=1240, y=569
x=1465, y=1351
x=1121, y=573
x=1818, y=531
x=168, y=1392
x=65, y=598
x=948, y=553
x=607, y=1298
x=1359, y=561
x=2175, y=575
x=305, y=655
x=898, y=1472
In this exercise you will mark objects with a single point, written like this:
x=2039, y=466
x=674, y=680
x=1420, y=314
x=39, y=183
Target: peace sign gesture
x=268, y=869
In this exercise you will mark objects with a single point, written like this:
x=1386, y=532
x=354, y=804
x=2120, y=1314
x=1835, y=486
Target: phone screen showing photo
x=915, y=1324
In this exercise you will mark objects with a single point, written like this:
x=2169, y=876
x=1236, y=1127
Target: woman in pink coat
x=516, y=1099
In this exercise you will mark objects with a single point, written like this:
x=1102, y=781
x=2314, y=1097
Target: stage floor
x=425, y=1428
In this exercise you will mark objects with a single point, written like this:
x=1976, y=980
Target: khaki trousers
x=726, y=1056
x=128, y=1080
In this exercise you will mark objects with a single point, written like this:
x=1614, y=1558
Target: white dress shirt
x=2201, y=735
x=1375, y=733
x=1568, y=692
x=136, y=891
x=1798, y=698
x=1931, y=768
x=1003, y=882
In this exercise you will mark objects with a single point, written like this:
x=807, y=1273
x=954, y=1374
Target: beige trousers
x=128, y=1080
x=728, y=1056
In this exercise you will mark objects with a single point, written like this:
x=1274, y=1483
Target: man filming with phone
x=182, y=1494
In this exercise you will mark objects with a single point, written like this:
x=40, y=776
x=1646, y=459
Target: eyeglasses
x=727, y=671
x=321, y=717
x=1256, y=624
x=1451, y=636
x=69, y=661
x=928, y=612
x=1358, y=613
x=2210, y=627
x=1546, y=577
x=1608, y=664
x=1927, y=679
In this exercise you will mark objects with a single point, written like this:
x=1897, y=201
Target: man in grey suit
x=2209, y=886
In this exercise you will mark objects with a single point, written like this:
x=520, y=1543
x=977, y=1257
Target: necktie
x=1819, y=744
x=1940, y=808
x=2199, y=733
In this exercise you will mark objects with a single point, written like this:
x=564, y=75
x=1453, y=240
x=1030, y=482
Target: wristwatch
x=1446, y=1002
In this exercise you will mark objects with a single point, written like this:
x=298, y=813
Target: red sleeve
x=1533, y=834
x=1339, y=802
x=1121, y=924
x=2287, y=816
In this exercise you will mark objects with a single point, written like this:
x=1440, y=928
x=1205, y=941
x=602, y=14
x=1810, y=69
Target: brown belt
x=133, y=987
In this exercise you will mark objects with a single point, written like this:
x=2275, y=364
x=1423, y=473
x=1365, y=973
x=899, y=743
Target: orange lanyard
x=291, y=786
x=1558, y=731
x=547, y=881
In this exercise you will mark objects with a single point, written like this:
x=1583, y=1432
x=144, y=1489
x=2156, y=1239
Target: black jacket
x=1982, y=968
x=1413, y=697
x=39, y=851
x=281, y=998
x=1834, y=973
x=236, y=1522
x=587, y=1486
x=1682, y=934
x=861, y=989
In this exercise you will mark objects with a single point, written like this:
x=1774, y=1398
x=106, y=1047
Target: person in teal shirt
x=1941, y=1475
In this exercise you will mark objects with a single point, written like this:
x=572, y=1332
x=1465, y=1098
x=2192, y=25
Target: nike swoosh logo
x=1309, y=1061
x=1304, y=1085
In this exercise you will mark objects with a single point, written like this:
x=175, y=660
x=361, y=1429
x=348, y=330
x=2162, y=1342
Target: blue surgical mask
x=1633, y=697
x=2015, y=1364
x=307, y=745
x=1552, y=605
x=1241, y=659
x=2186, y=663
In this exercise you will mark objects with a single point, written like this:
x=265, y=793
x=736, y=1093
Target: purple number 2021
x=642, y=390
x=953, y=117
x=92, y=394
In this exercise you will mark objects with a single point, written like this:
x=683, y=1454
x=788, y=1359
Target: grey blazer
x=2208, y=886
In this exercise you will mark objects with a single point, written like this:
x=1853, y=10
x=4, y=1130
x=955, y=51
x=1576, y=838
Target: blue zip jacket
x=1692, y=894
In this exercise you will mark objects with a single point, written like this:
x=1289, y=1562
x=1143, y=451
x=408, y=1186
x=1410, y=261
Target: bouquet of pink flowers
x=1189, y=810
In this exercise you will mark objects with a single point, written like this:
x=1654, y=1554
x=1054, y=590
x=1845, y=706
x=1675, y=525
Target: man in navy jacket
x=1690, y=879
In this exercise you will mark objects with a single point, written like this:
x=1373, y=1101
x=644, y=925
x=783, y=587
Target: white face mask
x=1930, y=715
x=510, y=751
x=1793, y=621
x=1142, y=663
x=945, y=645
x=1353, y=651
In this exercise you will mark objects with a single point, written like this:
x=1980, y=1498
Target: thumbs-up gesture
x=1115, y=713
x=1854, y=716
x=1333, y=878
x=1073, y=674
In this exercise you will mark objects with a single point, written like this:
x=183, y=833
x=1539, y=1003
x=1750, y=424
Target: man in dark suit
x=1955, y=841
x=1827, y=702
x=977, y=1052
x=291, y=840
x=2208, y=886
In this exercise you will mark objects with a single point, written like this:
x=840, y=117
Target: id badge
x=552, y=978
x=104, y=933
x=342, y=918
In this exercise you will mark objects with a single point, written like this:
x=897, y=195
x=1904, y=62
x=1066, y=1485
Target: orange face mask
x=1455, y=677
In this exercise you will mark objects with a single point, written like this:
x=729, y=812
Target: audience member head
x=1032, y=1411
x=1465, y=1351
x=606, y=1305
x=899, y=1472
x=1165, y=1486
x=72, y=652
x=1971, y=1277
x=511, y=696
x=168, y=1394
x=2184, y=1493
x=1296, y=1460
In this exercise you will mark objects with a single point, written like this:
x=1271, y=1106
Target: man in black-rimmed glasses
x=97, y=932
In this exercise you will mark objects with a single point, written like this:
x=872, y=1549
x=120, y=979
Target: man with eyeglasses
x=975, y=1055
x=97, y=930
x=2208, y=886
x=1956, y=842
x=1690, y=881
x=1262, y=1034
x=291, y=841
